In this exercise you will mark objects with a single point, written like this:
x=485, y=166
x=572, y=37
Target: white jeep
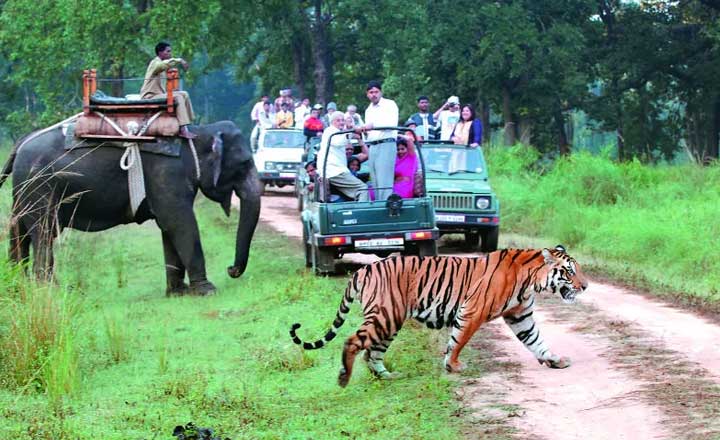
x=279, y=155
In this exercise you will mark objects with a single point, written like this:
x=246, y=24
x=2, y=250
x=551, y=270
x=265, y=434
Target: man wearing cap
x=334, y=168
x=447, y=117
x=284, y=95
x=330, y=109
x=381, y=112
x=422, y=119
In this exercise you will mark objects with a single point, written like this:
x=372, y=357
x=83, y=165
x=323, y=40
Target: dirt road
x=642, y=369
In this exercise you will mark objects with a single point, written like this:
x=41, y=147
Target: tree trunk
x=321, y=54
x=714, y=135
x=298, y=59
x=563, y=144
x=206, y=100
x=524, y=131
x=621, y=142
x=484, y=111
x=510, y=129
x=117, y=88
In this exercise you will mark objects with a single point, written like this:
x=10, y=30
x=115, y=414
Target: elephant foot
x=201, y=288
x=178, y=290
x=235, y=271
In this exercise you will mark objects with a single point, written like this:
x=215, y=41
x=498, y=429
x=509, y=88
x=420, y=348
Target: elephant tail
x=342, y=312
x=8, y=167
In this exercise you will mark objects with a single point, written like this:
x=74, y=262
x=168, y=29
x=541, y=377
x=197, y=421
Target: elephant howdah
x=94, y=124
x=55, y=187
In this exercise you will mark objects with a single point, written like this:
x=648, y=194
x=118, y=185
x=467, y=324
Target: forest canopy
x=644, y=70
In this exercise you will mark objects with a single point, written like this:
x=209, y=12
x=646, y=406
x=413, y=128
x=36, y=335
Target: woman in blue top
x=469, y=130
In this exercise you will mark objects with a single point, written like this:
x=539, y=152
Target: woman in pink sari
x=406, y=166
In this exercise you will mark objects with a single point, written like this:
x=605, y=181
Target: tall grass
x=657, y=225
x=37, y=340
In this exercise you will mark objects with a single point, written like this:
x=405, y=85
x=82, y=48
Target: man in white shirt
x=301, y=113
x=448, y=116
x=381, y=112
x=255, y=117
x=336, y=169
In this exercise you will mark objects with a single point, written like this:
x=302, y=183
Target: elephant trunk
x=249, y=196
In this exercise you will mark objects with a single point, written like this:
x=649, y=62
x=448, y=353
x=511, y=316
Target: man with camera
x=447, y=117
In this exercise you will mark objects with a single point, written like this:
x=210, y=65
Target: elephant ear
x=236, y=142
x=217, y=155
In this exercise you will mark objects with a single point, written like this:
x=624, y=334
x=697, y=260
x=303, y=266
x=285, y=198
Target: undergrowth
x=653, y=225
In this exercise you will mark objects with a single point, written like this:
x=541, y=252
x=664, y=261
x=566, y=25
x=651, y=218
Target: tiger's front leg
x=527, y=331
x=462, y=330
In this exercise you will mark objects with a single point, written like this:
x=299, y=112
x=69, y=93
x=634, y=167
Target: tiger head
x=564, y=275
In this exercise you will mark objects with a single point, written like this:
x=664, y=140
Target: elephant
x=84, y=188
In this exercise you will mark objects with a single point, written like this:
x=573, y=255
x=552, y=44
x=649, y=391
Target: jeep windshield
x=283, y=139
x=453, y=159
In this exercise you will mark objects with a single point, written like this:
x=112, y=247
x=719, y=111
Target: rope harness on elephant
x=45, y=130
x=131, y=160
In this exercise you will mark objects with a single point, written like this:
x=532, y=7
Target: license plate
x=379, y=242
x=450, y=218
x=287, y=174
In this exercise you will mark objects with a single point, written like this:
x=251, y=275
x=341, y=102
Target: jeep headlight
x=269, y=165
x=482, y=202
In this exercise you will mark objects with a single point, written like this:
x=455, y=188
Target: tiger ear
x=561, y=248
x=549, y=259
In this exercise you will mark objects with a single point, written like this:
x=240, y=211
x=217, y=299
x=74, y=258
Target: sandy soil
x=634, y=360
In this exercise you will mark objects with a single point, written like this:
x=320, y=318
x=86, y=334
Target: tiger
x=461, y=293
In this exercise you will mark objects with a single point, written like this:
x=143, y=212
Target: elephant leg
x=183, y=236
x=43, y=236
x=174, y=268
x=19, y=251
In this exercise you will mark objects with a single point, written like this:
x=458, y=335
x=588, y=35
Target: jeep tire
x=323, y=260
x=427, y=248
x=472, y=239
x=490, y=239
x=307, y=246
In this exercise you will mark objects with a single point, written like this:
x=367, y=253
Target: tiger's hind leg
x=375, y=356
x=369, y=337
x=354, y=345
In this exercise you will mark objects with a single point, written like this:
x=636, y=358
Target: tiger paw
x=558, y=363
x=386, y=375
x=343, y=378
x=454, y=367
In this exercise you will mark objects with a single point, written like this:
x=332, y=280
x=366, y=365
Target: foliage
x=653, y=225
x=642, y=70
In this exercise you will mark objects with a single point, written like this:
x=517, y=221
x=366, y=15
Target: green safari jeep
x=457, y=181
x=334, y=226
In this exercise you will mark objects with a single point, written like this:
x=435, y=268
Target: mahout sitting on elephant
x=84, y=188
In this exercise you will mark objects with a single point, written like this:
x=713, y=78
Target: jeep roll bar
x=324, y=186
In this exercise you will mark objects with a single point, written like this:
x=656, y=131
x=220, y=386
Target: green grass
x=656, y=226
x=125, y=362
